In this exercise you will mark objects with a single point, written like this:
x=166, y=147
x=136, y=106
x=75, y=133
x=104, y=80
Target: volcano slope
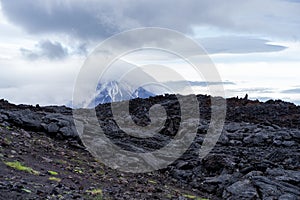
x=256, y=157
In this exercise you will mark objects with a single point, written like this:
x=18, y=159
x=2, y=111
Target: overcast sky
x=43, y=43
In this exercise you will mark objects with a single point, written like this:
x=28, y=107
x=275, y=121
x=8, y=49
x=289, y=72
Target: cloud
x=263, y=99
x=100, y=19
x=254, y=90
x=45, y=49
x=292, y=91
x=238, y=45
x=181, y=85
x=26, y=82
x=294, y=1
x=81, y=49
x=84, y=19
x=205, y=84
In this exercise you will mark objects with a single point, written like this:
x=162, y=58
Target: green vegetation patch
x=61, y=162
x=78, y=170
x=19, y=166
x=95, y=192
x=54, y=179
x=193, y=197
x=53, y=173
x=26, y=190
x=7, y=141
x=151, y=181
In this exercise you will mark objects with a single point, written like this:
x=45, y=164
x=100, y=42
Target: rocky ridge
x=256, y=157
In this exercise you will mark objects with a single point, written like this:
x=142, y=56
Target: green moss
x=54, y=179
x=80, y=162
x=18, y=166
x=53, y=173
x=7, y=141
x=61, y=162
x=78, y=170
x=100, y=172
x=26, y=190
x=95, y=191
x=189, y=196
x=193, y=197
x=151, y=181
x=98, y=197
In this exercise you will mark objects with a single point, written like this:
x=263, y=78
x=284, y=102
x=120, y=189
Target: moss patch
x=151, y=181
x=53, y=173
x=54, y=179
x=193, y=197
x=18, y=166
x=95, y=192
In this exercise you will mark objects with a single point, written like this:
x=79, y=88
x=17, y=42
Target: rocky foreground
x=256, y=157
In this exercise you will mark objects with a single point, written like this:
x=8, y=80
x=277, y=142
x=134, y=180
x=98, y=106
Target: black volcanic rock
x=257, y=155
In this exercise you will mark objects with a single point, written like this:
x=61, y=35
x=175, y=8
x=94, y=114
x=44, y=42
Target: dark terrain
x=256, y=157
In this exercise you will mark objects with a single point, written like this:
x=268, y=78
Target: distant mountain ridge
x=114, y=91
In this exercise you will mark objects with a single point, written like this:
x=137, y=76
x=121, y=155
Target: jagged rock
x=182, y=175
x=52, y=128
x=241, y=190
x=3, y=117
x=252, y=174
x=232, y=127
x=216, y=163
x=224, y=140
x=284, y=135
x=235, y=142
x=25, y=118
x=217, y=184
x=288, y=143
x=59, y=119
x=256, y=139
x=277, y=142
x=295, y=134
x=273, y=189
x=69, y=132
x=287, y=197
x=288, y=176
x=257, y=155
x=278, y=155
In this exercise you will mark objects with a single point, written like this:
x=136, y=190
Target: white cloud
x=238, y=45
x=40, y=82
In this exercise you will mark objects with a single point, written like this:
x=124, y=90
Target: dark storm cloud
x=46, y=49
x=99, y=19
x=238, y=45
x=85, y=20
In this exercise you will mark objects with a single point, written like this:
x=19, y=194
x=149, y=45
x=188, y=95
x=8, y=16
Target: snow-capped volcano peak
x=113, y=91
